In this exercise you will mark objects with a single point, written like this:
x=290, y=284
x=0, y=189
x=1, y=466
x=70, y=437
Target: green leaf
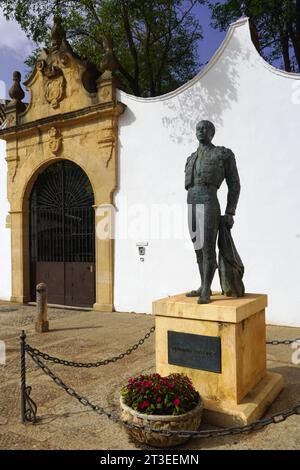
x=158, y=51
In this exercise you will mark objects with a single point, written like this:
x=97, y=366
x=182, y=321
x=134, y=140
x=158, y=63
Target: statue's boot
x=209, y=272
x=197, y=293
x=194, y=293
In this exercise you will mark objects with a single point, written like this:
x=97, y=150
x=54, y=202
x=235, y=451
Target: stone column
x=20, y=284
x=42, y=324
x=104, y=244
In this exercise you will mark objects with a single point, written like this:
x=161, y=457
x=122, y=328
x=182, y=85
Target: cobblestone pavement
x=88, y=336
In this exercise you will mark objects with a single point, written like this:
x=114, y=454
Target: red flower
x=154, y=394
x=144, y=404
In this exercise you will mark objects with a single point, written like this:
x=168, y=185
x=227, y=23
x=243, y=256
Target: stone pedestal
x=221, y=346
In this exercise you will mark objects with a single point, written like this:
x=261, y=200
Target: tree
x=155, y=41
x=274, y=25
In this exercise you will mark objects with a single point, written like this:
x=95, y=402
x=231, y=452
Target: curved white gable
x=244, y=21
x=256, y=110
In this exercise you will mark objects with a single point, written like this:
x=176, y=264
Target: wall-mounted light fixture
x=142, y=249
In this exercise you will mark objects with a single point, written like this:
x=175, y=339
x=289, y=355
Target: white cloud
x=13, y=39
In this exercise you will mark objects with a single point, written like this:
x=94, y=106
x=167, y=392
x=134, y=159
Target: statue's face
x=204, y=132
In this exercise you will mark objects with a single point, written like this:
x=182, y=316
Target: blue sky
x=15, y=47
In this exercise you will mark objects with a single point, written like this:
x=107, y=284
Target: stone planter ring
x=189, y=421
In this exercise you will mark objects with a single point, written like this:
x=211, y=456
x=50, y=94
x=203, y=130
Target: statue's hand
x=229, y=220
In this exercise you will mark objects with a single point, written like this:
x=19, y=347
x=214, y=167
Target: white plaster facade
x=256, y=111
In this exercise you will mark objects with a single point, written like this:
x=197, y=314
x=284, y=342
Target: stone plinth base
x=42, y=327
x=103, y=307
x=221, y=346
x=251, y=408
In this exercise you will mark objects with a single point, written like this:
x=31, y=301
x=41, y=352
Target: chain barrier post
x=42, y=323
x=28, y=406
x=23, y=375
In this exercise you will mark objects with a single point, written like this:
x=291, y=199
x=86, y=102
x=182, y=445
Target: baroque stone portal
x=68, y=134
x=205, y=171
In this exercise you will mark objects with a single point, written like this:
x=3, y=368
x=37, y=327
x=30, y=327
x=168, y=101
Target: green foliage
x=274, y=24
x=153, y=394
x=155, y=41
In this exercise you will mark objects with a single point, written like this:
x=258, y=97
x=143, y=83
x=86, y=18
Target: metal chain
x=275, y=342
x=104, y=362
x=84, y=401
x=257, y=425
x=113, y=359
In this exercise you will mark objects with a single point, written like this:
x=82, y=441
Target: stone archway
x=80, y=120
x=62, y=235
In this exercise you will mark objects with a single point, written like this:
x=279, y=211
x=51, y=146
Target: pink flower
x=157, y=387
x=176, y=402
x=158, y=400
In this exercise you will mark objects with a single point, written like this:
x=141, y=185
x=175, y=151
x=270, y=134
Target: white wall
x=5, y=250
x=256, y=111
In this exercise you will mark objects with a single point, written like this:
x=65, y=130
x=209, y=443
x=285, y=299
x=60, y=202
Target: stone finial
x=58, y=34
x=15, y=92
x=108, y=62
x=108, y=82
x=15, y=106
x=243, y=7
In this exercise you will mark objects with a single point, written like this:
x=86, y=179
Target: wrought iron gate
x=62, y=235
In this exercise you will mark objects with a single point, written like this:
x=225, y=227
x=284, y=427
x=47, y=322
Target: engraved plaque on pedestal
x=194, y=351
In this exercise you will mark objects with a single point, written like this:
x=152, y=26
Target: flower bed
x=153, y=394
x=166, y=403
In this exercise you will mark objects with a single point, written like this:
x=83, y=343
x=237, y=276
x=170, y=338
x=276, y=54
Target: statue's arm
x=187, y=161
x=233, y=183
x=188, y=173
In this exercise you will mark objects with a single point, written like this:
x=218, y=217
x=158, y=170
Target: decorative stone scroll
x=55, y=140
x=54, y=86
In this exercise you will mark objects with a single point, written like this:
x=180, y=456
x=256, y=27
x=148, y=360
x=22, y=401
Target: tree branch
x=163, y=59
x=80, y=32
x=130, y=41
x=176, y=24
